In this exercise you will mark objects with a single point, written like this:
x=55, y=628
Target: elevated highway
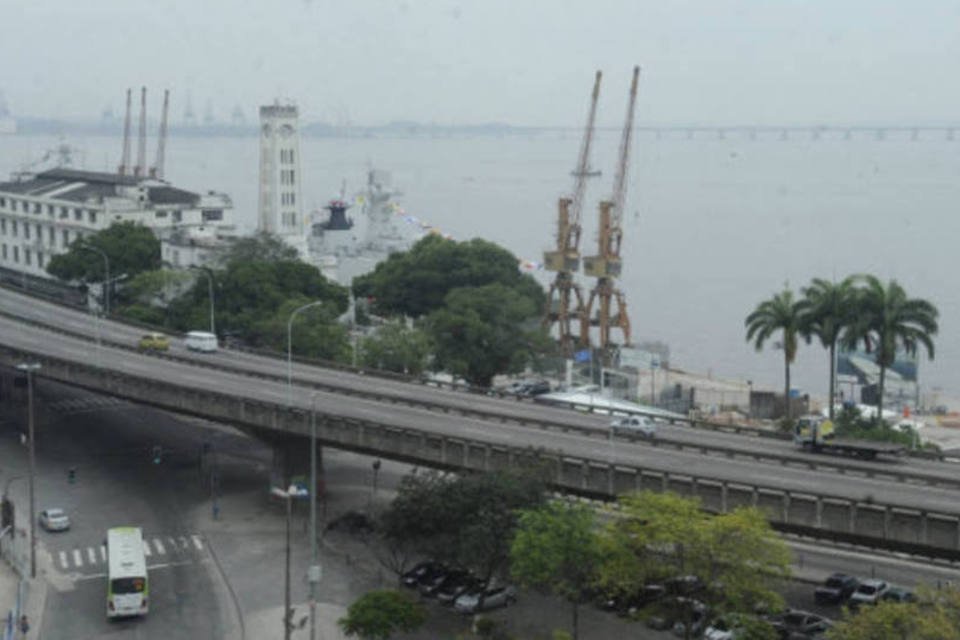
x=437, y=427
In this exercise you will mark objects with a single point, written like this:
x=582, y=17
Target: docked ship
x=343, y=247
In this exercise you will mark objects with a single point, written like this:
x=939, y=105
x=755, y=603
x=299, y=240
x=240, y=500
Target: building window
x=50, y=209
x=176, y=215
x=16, y=253
x=3, y=202
x=13, y=228
x=4, y=252
x=52, y=236
x=66, y=238
x=26, y=257
x=78, y=215
x=37, y=207
x=64, y=212
x=92, y=216
x=290, y=153
x=26, y=230
x=40, y=259
x=160, y=214
x=291, y=177
x=3, y=226
x=210, y=215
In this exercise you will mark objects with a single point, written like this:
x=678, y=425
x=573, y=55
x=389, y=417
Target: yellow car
x=154, y=342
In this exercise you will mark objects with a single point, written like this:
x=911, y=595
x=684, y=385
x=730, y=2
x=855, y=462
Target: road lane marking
x=103, y=552
x=197, y=543
x=173, y=543
x=91, y=555
x=159, y=545
x=184, y=544
x=152, y=567
x=146, y=549
x=63, y=559
x=77, y=558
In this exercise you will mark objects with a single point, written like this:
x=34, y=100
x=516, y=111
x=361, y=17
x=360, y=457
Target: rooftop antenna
x=139, y=170
x=157, y=171
x=125, y=158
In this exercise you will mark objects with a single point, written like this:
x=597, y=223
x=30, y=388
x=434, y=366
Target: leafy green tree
x=466, y=521
x=130, y=248
x=780, y=313
x=827, y=309
x=261, y=247
x=556, y=548
x=934, y=616
x=377, y=615
x=315, y=332
x=416, y=282
x=395, y=347
x=484, y=331
x=739, y=557
x=888, y=321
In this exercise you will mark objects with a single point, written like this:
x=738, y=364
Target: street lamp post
x=313, y=574
x=288, y=495
x=209, y=274
x=106, y=276
x=290, y=346
x=29, y=368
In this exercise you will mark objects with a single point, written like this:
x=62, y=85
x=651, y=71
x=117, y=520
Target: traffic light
x=157, y=454
x=72, y=475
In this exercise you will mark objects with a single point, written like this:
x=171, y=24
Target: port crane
x=606, y=265
x=565, y=259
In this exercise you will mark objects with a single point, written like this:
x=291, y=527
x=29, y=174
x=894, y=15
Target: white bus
x=127, y=587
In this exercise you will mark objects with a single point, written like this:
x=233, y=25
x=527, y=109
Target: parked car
x=423, y=571
x=836, y=589
x=485, y=599
x=432, y=584
x=731, y=626
x=202, y=341
x=627, y=604
x=54, y=520
x=794, y=622
x=695, y=617
x=898, y=594
x=453, y=589
x=527, y=388
x=636, y=425
x=869, y=592
x=153, y=342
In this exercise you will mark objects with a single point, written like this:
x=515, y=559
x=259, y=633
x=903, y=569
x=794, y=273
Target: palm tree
x=827, y=310
x=779, y=313
x=887, y=320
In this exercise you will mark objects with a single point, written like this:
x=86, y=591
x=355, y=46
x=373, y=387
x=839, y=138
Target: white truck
x=816, y=434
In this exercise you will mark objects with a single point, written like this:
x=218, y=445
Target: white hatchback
x=639, y=425
x=54, y=520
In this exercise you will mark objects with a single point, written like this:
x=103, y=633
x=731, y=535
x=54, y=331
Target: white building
x=41, y=214
x=280, y=202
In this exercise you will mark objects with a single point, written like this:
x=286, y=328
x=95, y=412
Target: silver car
x=493, y=597
x=869, y=592
x=637, y=425
x=54, y=520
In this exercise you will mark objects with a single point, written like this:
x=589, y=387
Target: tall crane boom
x=606, y=265
x=565, y=259
x=125, y=157
x=141, y=168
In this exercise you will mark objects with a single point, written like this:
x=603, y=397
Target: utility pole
x=29, y=368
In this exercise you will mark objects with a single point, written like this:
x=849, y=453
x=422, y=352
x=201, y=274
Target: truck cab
x=812, y=431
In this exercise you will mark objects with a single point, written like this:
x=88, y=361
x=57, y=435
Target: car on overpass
x=636, y=425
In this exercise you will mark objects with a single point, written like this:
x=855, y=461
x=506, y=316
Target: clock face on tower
x=266, y=130
x=286, y=131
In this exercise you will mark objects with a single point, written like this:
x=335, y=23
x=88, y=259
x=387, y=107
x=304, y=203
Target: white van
x=201, y=341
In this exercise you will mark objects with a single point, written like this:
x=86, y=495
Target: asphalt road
x=773, y=476
x=108, y=442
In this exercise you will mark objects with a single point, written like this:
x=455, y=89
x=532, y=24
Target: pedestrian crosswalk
x=88, y=403
x=156, y=549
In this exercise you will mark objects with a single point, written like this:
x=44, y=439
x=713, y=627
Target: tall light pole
x=288, y=495
x=29, y=368
x=207, y=272
x=106, y=275
x=290, y=346
x=313, y=574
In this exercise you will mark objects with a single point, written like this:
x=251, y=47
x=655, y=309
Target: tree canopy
x=377, y=615
x=934, y=616
x=415, y=282
x=556, y=548
x=130, y=249
x=780, y=313
x=395, y=347
x=484, y=331
x=465, y=521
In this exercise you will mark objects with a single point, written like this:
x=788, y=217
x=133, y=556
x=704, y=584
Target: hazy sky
x=517, y=61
